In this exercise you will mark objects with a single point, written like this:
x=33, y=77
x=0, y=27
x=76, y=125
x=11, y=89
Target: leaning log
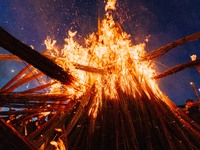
x=26, y=53
x=9, y=57
x=177, y=68
x=32, y=97
x=15, y=78
x=11, y=139
x=164, y=49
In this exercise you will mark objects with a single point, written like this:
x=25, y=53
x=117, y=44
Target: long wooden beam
x=178, y=68
x=47, y=66
x=164, y=49
x=33, y=97
x=9, y=57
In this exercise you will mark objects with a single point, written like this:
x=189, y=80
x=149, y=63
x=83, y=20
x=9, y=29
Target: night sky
x=164, y=21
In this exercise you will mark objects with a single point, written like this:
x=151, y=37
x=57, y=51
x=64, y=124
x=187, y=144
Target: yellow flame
x=110, y=5
x=59, y=145
x=112, y=52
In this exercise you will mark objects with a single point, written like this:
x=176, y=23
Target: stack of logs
x=145, y=122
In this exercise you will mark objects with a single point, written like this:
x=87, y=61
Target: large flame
x=113, y=61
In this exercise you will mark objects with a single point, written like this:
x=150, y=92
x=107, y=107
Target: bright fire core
x=107, y=61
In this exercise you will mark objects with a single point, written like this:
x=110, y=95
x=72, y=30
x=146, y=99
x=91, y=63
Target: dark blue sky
x=165, y=20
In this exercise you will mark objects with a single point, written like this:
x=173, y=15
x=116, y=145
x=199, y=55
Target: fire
x=114, y=62
x=111, y=5
x=59, y=145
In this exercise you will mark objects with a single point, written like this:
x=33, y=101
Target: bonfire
x=100, y=95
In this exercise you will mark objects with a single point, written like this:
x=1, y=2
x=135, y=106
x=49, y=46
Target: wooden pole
x=33, y=97
x=9, y=57
x=164, y=49
x=177, y=68
x=47, y=66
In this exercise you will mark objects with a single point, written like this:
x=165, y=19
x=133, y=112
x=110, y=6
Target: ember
x=108, y=98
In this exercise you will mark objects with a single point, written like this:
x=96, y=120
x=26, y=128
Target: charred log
x=47, y=66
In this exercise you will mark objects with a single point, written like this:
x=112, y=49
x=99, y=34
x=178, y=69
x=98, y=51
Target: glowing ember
x=114, y=55
x=193, y=57
x=111, y=5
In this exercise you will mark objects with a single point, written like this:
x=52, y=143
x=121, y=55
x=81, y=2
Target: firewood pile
x=50, y=121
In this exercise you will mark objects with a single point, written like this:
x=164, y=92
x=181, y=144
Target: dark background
x=32, y=21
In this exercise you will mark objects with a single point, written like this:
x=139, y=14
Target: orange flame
x=112, y=52
x=59, y=145
x=110, y=5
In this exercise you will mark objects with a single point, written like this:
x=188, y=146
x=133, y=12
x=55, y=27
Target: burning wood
x=178, y=68
x=39, y=88
x=164, y=49
x=89, y=69
x=33, y=97
x=26, y=79
x=115, y=103
x=26, y=53
x=9, y=57
x=23, y=71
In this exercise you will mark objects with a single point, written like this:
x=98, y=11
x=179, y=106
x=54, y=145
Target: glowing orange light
x=110, y=51
x=111, y=5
